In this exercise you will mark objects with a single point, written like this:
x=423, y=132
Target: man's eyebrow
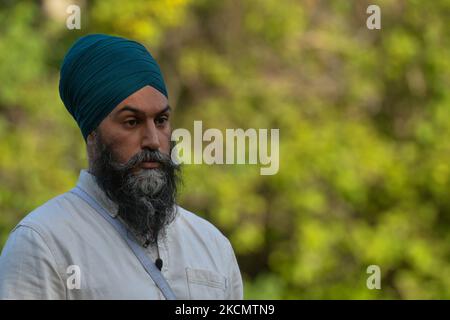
x=135, y=110
x=166, y=109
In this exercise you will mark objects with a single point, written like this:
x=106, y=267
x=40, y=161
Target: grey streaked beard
x=145, y=198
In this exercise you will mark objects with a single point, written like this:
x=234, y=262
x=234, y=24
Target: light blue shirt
x=66, y=250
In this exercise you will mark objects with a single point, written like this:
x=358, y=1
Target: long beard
x=145, y=197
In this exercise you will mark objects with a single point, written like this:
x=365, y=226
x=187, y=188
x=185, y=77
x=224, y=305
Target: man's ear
x=91, y=137
x=91, y=144
x=90, y=147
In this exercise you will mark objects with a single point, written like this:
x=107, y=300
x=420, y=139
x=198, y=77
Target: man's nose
x=150, y=137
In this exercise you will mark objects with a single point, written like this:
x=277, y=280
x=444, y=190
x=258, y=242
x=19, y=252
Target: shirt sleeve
x=28, y=268
x=235, y=290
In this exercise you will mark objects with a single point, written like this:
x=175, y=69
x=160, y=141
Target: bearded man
x=96, y=241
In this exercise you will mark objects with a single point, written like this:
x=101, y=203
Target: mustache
x=147, y=155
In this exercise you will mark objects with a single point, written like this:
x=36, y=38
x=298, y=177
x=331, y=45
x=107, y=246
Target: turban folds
x=99, y=71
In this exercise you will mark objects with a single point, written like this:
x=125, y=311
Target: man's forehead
x=138, y=110
x=146, y=100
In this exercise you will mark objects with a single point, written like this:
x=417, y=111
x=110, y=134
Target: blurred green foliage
x=364, y=119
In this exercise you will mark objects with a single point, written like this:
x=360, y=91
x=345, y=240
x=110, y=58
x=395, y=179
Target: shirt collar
x=88, y=183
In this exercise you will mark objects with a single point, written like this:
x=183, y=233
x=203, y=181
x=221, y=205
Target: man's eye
x=161, y=120
x=131, y=123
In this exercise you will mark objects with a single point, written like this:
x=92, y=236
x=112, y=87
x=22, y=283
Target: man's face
x=140, y=121
x=129, y=157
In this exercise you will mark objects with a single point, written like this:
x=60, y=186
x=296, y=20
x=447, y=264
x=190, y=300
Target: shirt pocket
x=205, y=284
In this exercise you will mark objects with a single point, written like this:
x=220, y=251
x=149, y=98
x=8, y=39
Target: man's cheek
x=120, y=155
x=166, y=143
x=119, y=150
